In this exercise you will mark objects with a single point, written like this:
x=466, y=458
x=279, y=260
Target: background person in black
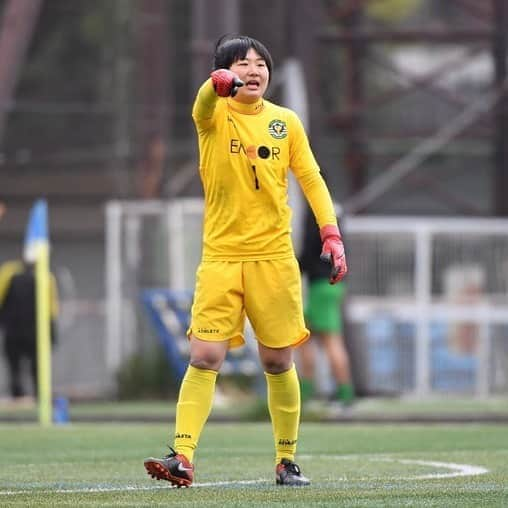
x=18, y=321
x=323, y=316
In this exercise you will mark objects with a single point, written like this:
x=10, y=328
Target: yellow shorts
x=268, y=292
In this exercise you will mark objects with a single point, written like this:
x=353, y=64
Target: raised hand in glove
x=333, y=252
x=225, y=82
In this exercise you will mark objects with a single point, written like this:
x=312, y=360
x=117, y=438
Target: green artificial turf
x=388, y=465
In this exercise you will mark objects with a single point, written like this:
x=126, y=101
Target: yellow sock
x=284, y=406
x=193, y=407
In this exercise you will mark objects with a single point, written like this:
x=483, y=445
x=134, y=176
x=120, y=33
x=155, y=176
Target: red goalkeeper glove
x=333, y=252
x=225, y=82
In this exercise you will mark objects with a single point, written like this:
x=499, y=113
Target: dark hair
x=230, y=48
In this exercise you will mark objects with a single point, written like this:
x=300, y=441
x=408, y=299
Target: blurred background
x=405, y=103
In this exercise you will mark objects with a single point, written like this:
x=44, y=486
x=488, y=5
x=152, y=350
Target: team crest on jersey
x=278, y=129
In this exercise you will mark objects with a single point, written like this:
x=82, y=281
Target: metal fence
x=427, y=302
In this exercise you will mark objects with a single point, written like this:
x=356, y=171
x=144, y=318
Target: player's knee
x=207, y=355
x=276, y=361
x=276, y=365
x=206, y=362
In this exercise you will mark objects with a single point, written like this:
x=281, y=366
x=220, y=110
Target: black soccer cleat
x=288, y=473
x=175, y=468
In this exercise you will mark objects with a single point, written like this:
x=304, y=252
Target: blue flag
x=36, y=236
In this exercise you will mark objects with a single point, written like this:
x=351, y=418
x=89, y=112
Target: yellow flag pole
x=43, y=335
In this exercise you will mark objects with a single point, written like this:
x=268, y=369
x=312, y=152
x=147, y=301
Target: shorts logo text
x=208, y=330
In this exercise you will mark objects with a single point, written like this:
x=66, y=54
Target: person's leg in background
x=306, y=369
x=335, y=349
x=13, y=355
x=307, y=351
x=31, y=354
x=323, y=314
x=334, y=345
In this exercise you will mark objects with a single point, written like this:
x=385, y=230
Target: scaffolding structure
x=483, y=28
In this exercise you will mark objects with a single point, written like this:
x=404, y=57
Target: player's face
x=252, y=70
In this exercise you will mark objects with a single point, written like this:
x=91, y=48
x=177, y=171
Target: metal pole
x=500, y=54
x=483, y=352
x=18, y=21
x=423, y=288
x=153, y=115
x=355, y=151
x=176, y=247
x=122, y=72
x=113, y=286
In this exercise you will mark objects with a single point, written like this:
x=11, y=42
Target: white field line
x=121, y=488
x=455, y=471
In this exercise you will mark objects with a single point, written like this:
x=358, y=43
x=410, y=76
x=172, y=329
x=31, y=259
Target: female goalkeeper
x=247, y=145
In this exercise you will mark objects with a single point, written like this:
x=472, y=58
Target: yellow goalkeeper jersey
x=246, y=151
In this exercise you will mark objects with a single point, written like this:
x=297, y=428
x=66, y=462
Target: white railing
x=442, y=280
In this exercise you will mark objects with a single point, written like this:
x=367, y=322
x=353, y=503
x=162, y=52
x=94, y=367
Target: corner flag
x=36, y=235
x=36, y=250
